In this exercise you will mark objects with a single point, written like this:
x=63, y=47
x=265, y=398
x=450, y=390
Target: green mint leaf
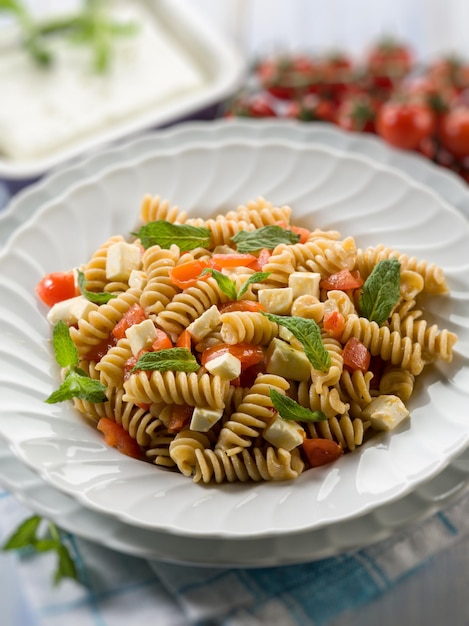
x=381, y=291
x=226, y=285
x=174, y=359
x=66, y=353
x=25, y=535
x=266, y=237
x=78, y=385
x=65, y=566
x=45, y=545
x=165, y=234
x=257, y=277
x=309, y=335
x=100, y=297
x=288, y=409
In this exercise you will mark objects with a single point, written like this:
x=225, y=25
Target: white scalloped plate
x=332, y=189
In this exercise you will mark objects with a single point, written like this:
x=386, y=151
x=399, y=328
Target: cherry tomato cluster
x=412, y=107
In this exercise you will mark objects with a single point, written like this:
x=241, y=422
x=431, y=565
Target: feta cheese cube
x=284, y=434
x=207, y=322
x=227, y=366
x=71, y=310
x=137, y=279
x=304, y=284
x=276, y=301
x=141, y=336
x=385, y=412
x=121, y=259
x=203, y=419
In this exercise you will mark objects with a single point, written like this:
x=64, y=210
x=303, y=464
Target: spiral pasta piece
x=247, y=327
x=222, y=229
x=397, y=381
x=111, y=366
x=433, y=276
x=159, y=289
x=346, y=431
x=97, y=326
x=188, y=305
x=255, y=411
x=391, y=346
x=183, y=448
x=95, y=269
x=154, y=208
x=435, y=343
x=333, y=374
x=194, y=389
x=327, y=400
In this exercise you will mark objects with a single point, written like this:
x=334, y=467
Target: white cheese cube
x=226, y=366
x=137, y=279
x=121, y=259
x=304, y=284
x=385, y=412
x=71, y=310
x=203, y=419
x=141, y=336
x=276, y=301
x=207, y=322
x=284, y=434
x=284, y=360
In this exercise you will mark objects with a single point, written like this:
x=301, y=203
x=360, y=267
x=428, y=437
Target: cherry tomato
x=342, y=280
x=453, y=131
x=321, y=451
x=117, y=437
x=387, y=61
x=250, y=106
x=57, y=286
x=288, y=77
x=405, y=124
x=356, y=356
x=357, y=113
x=134, y=315
x=248, y=354
x=311, y=108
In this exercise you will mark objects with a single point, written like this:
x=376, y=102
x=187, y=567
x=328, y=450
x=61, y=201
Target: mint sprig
x=309, y=335
x=266, y=237
x=97, y=297
x=174, y=359
x=76, y=383
x=27, y=537
x=229, y=287
x=165, y=234
x=381, y=291
x=289, y=409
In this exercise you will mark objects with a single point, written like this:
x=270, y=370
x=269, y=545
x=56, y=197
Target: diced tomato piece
x=187, y=274
x=248, y=354
x=234, y=260
x=241, y=305
x=57, y=286
x=334, y=323
x=356, y=355
x=99, y=350
x=262, y=258
x=117, y=437
x=302, y=232
x=184, y=340
x=143, y=405
x=134, y=315
x=343, y=280
x=249, y=375
x=131, y=363
x=321, y=451
x=162, y=341
x=377, y=365
x=180, y=417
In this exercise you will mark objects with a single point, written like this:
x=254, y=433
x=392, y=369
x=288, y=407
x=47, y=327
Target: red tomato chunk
x=356, y=356
x=134, y=315
x=321, y=451
x=56, y=287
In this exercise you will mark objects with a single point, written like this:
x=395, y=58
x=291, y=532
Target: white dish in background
x=172, y=68
x=208, y=174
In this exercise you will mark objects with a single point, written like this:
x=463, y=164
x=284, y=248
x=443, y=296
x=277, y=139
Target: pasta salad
x=241, y=347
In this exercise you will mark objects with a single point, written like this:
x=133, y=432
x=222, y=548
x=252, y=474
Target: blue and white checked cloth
x=122, y=590
x=396, y=580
